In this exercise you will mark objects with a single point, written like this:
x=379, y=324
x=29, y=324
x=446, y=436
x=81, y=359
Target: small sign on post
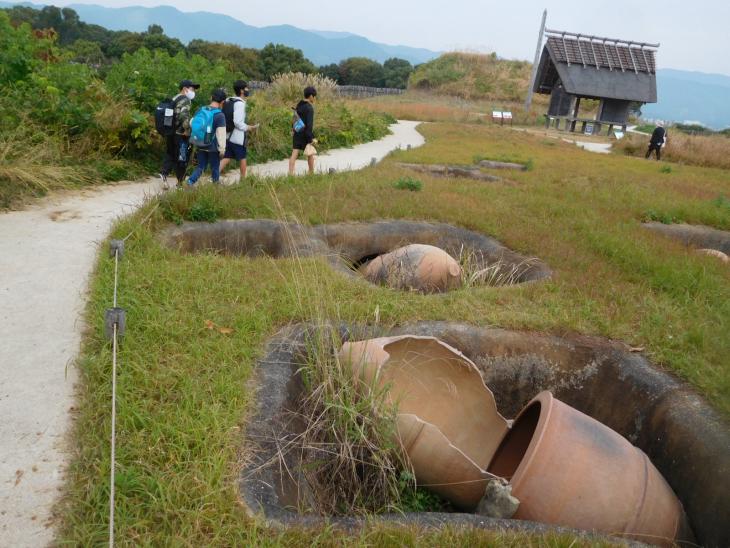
x=589, y=129
x=507, y=116
x=497, y=117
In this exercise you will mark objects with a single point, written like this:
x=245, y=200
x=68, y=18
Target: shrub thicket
x=59, y=107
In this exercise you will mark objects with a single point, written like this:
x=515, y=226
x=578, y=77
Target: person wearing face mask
x=177, y=146
x=236, y=126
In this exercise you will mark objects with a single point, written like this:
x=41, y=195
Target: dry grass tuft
x=695, y=150
x=478, y=271
x=288, y=87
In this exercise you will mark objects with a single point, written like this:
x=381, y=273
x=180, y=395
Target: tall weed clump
x=288, y=87
x=351, y=459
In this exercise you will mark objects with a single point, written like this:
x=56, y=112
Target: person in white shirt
x=236, y=126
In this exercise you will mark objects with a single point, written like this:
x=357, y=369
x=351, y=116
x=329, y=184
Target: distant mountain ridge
x=691, y=96
x=320, y=47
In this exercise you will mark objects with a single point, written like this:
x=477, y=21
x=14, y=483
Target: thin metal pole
x=114, y=440
x=528, y=102
x=112, y=467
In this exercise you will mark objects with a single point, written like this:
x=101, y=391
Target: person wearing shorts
x=236, y=140
x=305, y=137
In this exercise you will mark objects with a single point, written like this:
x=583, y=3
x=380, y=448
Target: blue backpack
x=297, y=124
x=201, y=126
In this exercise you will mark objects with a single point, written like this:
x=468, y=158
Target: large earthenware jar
x=447, y=419
x=417, y=266
x=569, y=469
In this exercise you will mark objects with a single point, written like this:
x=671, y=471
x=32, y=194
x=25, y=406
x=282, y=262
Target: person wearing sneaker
x=210, y=151
x=177, y=146
x=236, y=126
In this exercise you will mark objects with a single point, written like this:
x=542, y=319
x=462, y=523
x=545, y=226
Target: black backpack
x=228, y=107
x=165, y=122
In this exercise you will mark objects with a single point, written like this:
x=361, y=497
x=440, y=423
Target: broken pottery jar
x=420, y=267
x=568, y=469
x=447, y=421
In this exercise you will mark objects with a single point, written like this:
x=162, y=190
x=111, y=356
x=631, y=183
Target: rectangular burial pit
x=681, y=434
x=349, y=247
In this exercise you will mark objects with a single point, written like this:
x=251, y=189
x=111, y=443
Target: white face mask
x=190, y=94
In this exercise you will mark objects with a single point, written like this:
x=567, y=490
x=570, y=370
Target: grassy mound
x=473, y=76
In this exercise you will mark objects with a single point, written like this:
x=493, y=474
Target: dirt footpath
x=47, y=253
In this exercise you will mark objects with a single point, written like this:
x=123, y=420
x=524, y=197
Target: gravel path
x=47, y=254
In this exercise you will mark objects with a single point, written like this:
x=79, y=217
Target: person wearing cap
x=212, y=153
x=236, y=143
x=658, y=140
x=177, y=146
x=304, y=140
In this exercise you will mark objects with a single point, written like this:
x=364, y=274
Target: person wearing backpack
x=236, y=127
x=303, y=130
x=208, y=134
x=176, y=131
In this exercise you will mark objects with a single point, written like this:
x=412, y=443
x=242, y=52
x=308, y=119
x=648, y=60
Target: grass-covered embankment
x=183, y=388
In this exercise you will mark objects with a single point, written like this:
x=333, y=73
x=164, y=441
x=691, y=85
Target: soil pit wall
x=698, y=236
x=685, y=438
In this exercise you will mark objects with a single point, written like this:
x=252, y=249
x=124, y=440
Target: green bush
x=150, y=76
x=661, y=217
x=408, y=183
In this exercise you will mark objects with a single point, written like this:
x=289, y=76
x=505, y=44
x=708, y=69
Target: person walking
x=303, y=130
x=208, y=134
x=177, y=146
x=236, y=127
x=658, y=140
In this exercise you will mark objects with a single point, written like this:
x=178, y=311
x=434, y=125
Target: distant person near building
x=236, y=127
x=208, y=134
x=303, y=130
x=658, y=140
x=177, y=145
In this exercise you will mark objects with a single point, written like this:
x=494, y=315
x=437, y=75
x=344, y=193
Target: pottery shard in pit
x=568, y=469
x=447, y=419
x=715, y=253
x=421, y=267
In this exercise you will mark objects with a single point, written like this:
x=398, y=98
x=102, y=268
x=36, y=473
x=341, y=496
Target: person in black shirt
x=658, y=139
x=303, y=140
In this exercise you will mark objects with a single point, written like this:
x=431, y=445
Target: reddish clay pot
x=439, y=465
x=569, y=469
x=447, y=421
x=417, y=266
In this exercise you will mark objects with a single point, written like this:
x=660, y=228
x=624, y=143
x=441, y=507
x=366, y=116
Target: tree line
x=100, y=47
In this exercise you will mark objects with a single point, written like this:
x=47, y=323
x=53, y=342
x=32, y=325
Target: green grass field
x=183, y=388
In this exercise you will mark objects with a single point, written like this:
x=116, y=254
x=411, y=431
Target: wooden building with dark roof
x=615, y=72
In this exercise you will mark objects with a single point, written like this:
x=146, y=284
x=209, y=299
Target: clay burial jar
x=568, y=469
x=438, y=465
x=419, y=267
x=444, y=410
x=715, y=253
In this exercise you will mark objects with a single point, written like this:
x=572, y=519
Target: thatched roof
x=595, y=67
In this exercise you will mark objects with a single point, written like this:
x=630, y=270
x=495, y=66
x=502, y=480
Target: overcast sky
x=694, y=35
